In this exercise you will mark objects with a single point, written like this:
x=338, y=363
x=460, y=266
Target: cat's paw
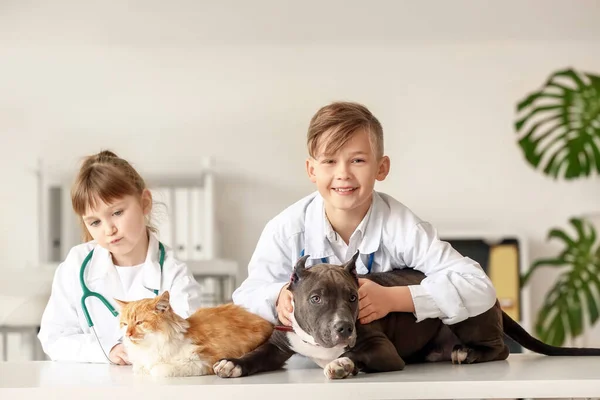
x=227, y=369
x=162, y=371
x=339, y=368
x=139, y=369
x=201, y=368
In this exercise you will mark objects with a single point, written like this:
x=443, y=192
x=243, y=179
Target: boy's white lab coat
x=64, y=332
x=454, y=289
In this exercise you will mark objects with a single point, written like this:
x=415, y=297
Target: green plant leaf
x=591, y=303
x=546, y=262
x=551, y=328
x=559, y=234
x=549, y=308
x=575, y=315
x=574, y=291
x=533, y=97
x=559, y=125
x=589, y=238
x=556, y=334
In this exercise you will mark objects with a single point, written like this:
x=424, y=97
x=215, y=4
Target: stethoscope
x=88, y=293
x=369, y=262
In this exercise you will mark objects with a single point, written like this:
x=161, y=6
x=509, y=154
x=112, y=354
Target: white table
x=520, y=376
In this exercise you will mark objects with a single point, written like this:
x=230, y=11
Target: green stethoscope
x=88, y=293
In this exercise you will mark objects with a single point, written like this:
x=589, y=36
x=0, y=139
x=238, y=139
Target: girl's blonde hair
x=105, y=177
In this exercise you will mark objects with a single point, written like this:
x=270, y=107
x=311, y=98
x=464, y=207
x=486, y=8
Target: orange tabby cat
x=161, y=343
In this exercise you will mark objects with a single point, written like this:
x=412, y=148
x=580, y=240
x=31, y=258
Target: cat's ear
x=350, y=265
x=121, y=303
x=162, y=303
x=299, y=270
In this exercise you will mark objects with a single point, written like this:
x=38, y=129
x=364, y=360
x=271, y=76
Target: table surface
x=522, y=375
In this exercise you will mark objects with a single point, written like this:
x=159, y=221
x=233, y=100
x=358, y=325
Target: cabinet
x=183, y=213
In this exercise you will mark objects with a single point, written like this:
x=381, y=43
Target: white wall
x=162, y=85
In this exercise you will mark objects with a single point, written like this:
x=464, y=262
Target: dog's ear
x=350, y=265
x=299, y=269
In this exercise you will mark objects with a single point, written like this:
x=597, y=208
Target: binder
x=197, y=245
x=504, y=273
x=182, y=226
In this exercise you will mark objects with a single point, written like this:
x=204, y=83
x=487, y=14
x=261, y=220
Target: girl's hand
x=118, y=355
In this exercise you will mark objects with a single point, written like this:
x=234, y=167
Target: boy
x=346, y=214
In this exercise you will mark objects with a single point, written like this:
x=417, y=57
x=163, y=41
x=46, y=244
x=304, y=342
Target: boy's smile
x=343, y=191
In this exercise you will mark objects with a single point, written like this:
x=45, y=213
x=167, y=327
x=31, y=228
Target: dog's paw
x=434, y=356
x=227, y=369
x=460, y=355
x=339, y=368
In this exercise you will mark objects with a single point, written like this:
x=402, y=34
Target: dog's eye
x=315, y=299
x=353, y=298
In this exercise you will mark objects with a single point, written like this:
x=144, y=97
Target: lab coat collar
x=316, y=233
x=316, y=244
x=373, y=226
x=101, y=267
x=151, y=269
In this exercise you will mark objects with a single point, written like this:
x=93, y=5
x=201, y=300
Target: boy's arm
x=376, y=301
x=455, y=287
x=269, y=270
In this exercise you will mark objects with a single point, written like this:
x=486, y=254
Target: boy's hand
x=118, y=355
x=373, y=301
x=284, y=306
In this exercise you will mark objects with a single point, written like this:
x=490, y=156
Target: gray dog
x=324, y=329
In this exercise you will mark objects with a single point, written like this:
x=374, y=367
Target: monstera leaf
x=559, y=125
x=577, y=289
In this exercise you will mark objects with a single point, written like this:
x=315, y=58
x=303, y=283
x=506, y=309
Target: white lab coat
x=64, y=332
x=455, y=287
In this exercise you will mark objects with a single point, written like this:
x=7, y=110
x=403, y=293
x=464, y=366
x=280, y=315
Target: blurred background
x=211, y=101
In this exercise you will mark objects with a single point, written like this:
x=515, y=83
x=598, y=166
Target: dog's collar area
x=283, y=328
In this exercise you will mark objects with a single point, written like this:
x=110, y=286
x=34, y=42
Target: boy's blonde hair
x=106, y=177
x=340, y=121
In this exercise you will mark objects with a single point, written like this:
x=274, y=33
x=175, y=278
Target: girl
x=121, y=259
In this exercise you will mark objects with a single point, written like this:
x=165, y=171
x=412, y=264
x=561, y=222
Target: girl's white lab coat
x=64, y=332
x=454, y=289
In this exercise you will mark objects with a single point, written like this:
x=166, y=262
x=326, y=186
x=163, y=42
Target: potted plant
x=559, y=134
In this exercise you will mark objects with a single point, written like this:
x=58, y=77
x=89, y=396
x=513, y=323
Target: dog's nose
x=343, y=329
